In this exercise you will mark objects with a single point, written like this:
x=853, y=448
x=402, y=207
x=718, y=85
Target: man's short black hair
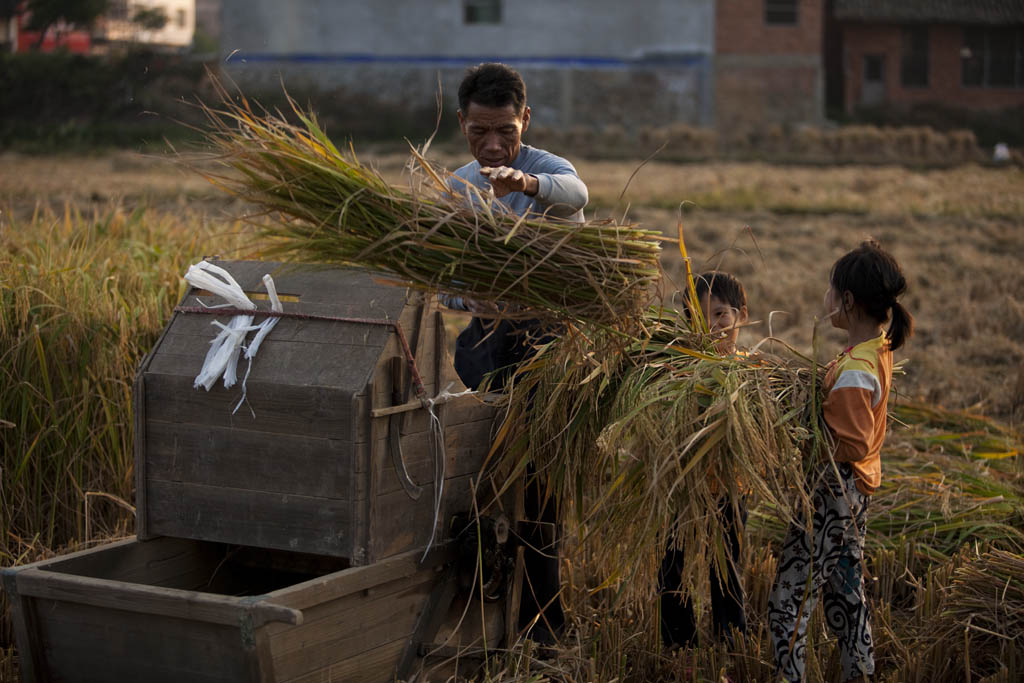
x=492, y=85
x=721, y=285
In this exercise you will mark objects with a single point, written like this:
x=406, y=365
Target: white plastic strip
x=226, y=348
x=437, y=447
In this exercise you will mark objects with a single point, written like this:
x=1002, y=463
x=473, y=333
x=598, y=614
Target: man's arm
x=553, y=183
x=559, y=186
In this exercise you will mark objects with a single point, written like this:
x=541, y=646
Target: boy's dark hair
x=721, y=285
x=875, y=280
x=492, y=85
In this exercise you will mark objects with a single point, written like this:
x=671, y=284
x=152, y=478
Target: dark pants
x=678, y=621
x=540, y=535
x=488, y=352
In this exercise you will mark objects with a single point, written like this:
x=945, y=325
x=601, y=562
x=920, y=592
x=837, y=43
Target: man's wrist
x=532, y=185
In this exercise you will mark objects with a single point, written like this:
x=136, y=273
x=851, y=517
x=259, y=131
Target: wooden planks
x=465, y=452
x=269, y=520
x=312, y=411
x=336, y=364
x=360, y=624
x=87, y=643
x=372, y=666
x=247, y=459
x=360, y=611
x=355, y=624
x=154, y=600
x=170, y=562
x=319, y=591
x=317, y=283
x=401, y=524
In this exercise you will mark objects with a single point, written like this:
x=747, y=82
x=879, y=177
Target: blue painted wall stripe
x=688, y=59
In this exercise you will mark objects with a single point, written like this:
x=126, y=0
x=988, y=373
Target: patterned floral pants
x=826, y=560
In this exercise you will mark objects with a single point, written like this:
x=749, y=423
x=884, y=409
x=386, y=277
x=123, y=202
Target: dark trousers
x=678, y=621
x=540, y=535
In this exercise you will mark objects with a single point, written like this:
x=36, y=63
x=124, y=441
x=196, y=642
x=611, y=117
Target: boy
x=723, y=303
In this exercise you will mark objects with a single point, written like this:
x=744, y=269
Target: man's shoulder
x=468, y=170
x=535, y=156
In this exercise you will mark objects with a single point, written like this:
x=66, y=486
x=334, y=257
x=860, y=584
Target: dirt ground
x=959, y=234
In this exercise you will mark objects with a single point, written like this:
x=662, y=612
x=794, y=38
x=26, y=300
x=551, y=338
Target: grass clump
x=82, y=299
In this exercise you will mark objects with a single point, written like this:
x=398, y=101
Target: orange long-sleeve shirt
x=857, y=389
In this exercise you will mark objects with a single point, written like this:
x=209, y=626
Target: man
x=493, y=115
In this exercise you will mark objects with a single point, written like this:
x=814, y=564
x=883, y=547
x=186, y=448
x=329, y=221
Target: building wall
x=740, y=28
x=945, y=84
x=767, y=74
x=208, y=17
x=585, y=63
x=177, y=32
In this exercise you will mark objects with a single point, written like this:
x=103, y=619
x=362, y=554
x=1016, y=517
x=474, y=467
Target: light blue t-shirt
x=561, y=193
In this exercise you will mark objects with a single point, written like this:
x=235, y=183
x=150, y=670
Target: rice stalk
x=644, y=441
x=437, y=234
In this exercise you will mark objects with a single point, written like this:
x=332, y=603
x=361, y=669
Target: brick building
x=957, y=53
x=768, y=62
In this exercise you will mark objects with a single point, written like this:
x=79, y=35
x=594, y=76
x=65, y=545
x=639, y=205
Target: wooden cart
x=283, y=541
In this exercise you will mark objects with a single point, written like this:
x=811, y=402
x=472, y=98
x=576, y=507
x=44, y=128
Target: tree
x=46, y=13
x=8, y=9
x=150, y=18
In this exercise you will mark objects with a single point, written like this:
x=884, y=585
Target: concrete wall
x=945, y=81
x=597, y=62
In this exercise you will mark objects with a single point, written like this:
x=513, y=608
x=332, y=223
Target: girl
x=865, y=284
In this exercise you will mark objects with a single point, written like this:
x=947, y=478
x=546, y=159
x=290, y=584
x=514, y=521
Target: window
x=481, y=11
x=993, y=57
x=874, y=68
x=780, y=12
x=180, y=18
x=914, y=57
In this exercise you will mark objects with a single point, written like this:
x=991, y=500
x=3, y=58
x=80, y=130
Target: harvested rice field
x=104, y=239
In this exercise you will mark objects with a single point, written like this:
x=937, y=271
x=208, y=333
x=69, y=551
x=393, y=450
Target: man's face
x=723, y=321
x=493, y=133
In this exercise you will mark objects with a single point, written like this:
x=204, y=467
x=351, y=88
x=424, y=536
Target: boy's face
x=724, y=321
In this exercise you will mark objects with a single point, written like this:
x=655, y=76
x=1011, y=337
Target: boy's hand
x=505, y=180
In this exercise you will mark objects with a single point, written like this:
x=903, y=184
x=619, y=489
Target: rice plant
x=438, y=233
x=82, y=299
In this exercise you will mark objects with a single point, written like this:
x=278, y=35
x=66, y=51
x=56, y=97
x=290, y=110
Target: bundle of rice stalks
x=438, y=233
x=647, y=443
x=977, y=633
x=933, y=429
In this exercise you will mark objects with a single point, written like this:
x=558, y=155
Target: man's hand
x=505, y=180
x=482, y=309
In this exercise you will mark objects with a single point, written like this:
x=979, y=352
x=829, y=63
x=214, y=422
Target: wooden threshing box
x=316, y=465
x=283, y=541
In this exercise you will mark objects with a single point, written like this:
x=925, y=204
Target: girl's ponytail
x=901, y=327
